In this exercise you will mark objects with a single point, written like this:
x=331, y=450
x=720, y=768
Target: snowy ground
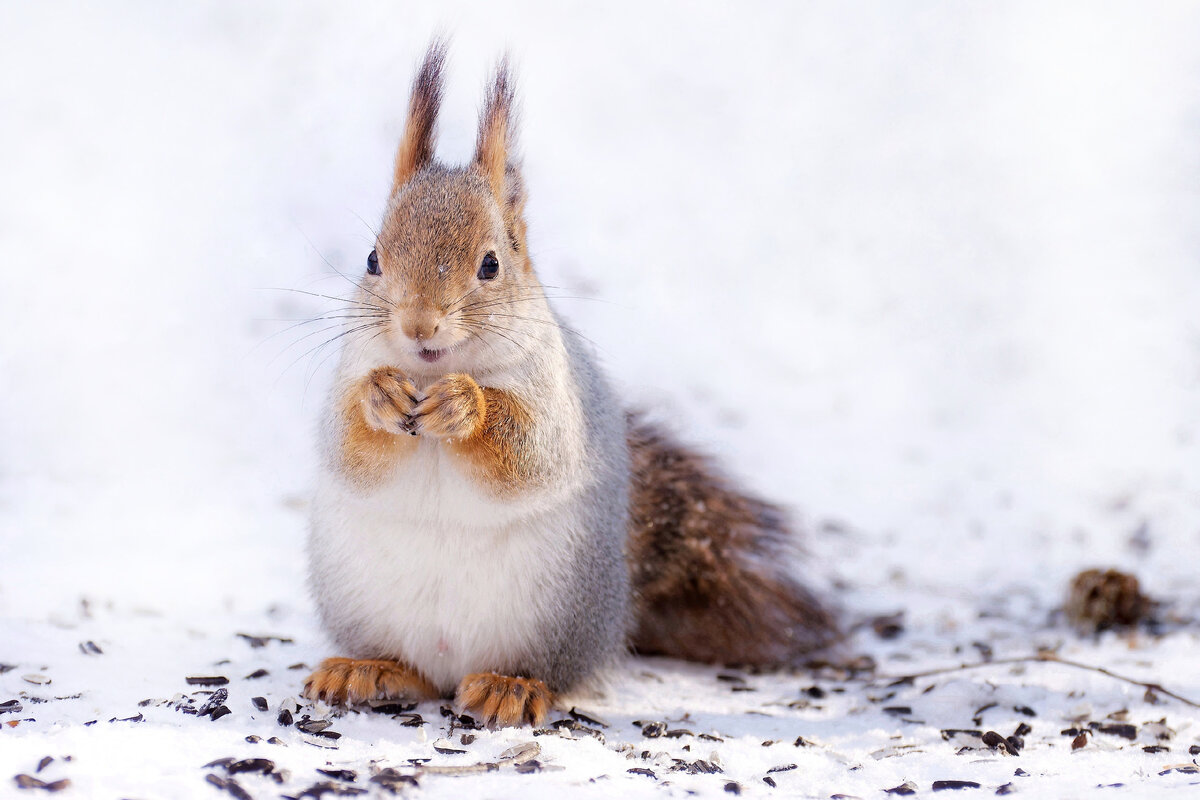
x=925, y=272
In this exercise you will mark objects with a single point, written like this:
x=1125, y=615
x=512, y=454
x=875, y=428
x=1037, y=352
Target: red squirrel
x=491, y=523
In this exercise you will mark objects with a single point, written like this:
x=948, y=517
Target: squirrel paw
x=389, y=401
x=503, y=700
x=452, y=409
x=341, y=680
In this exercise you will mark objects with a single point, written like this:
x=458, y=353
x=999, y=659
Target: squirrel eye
x=373, y=263
x=490, y=267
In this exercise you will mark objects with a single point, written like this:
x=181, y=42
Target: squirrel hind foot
x=351, y=680
x=503, y=700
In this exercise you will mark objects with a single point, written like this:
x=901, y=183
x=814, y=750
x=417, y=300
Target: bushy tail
x=712, y=568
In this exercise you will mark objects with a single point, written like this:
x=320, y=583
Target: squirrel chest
x=429, y=568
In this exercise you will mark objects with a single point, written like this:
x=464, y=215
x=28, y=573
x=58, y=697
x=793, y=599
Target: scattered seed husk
x=1186, y=769
x=36, y=679
x=312, y=725
x=393, y=780
x=649, y=773
x=906, y=788
x=207, y=680
x=652, y=730
x=769, y=781
x=215, y=701
x=263, y=641
x=1125, y=731
x=90, y=648
x=888, y=626
x=30, y=782
x=340, y=774
x=326, y=740
x=229, y=785
x=11, y=707
x=953, y=784
x=390, y=707
x=260, y=703
x=319, y=790
x=587, y=718
x=262, y=766
x=258, y=673
x=995, y=741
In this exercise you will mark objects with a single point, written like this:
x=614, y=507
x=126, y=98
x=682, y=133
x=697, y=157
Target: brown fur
x=485, y=426
x=710, y=565
x=498, y=448
x=349, y=680
x=375, y=425
x=417, y=143
x=505, y=700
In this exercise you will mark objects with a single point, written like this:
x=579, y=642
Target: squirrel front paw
x=389, y=401
x=453, y=408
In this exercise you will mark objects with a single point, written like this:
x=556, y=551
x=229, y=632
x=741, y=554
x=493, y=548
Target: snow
x=926, y=272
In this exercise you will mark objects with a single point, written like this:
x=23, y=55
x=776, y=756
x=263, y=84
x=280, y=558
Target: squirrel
x=489, y=523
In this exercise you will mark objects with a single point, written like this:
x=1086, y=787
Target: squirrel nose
x=420, y=327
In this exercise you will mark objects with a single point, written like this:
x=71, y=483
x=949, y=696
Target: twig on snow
x=1040, y=658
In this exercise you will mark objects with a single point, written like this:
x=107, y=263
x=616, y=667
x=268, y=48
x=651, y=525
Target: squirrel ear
x=416, y=146
x=513, y=205
x=497, y=131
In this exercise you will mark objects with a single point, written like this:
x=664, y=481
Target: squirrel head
x=449, y=270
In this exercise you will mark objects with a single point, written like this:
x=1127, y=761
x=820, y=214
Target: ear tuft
x=416, y=145
x=497, y=129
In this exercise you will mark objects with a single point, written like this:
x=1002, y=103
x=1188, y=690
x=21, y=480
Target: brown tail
x=711, y=566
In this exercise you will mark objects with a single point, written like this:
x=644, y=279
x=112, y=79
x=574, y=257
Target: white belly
x=429, y=570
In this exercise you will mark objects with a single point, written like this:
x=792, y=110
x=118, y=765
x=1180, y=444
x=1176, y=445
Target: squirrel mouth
x=430, y=356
